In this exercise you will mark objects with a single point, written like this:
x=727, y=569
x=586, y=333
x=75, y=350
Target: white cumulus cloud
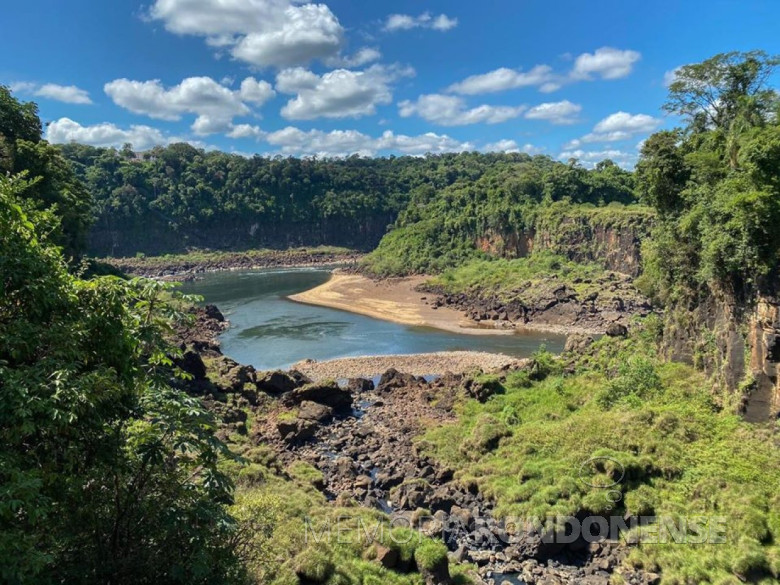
x=294, y=141
x=606, y=62
x=340, y=93
x=507, y=145
x=214, y=104
x=65, y=130
x=69, y=94
x=449, y=110
x=279, y=33
x=442, y=22
x=563, y=112
x=503, y=79
x=246, y=131
x=358, y=59
x=618, y=127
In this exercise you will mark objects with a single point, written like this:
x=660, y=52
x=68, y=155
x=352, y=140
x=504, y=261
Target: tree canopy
x=22, y=148
x=105, y=468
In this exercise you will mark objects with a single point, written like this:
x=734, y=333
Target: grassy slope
x=521, y=277
x=283, y=521
x=682, y=457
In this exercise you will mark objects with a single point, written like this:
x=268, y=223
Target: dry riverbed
x=420, y=364
x=554, y=308
x=393, y=299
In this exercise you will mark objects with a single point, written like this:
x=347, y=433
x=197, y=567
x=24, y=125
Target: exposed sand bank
x=392, y=300
x=419, y=364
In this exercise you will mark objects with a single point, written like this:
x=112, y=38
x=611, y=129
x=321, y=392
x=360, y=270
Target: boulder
x=438, y=574
x=327, y=393
x=239, y=375
x=577, y=342
x=360, y=385
x=315, y=412
x=296, y=431
x=482, y=390
x=616, y=330
x=385, y=556
x=212, y=312
x=232, y=375
x=392, y=378
x=192, y=363
x=279, y=382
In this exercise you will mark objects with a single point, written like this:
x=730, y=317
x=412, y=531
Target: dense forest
x=113, y=470
x=171, y=198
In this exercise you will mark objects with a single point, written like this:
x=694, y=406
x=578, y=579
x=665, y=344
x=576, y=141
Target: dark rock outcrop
x=392, y=378
x=616, y=330
x=192, y=363
x=295, y=431
x=360, y=385
x=327, y=393
x=577, y=342
x=279, y=382
x=315, y=412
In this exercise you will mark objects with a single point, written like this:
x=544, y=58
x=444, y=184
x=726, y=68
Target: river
x=269, y=331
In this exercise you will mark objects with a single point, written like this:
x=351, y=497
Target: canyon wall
x=155, y=236
x=609, y=236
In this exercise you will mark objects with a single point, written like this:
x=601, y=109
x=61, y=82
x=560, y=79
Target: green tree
x=23, y=149
x=723, y=88
x=107, y=473
x=662, y=173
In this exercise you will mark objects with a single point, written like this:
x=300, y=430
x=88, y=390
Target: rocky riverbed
x=580, y=306
x=362, y=435
x=364, y=444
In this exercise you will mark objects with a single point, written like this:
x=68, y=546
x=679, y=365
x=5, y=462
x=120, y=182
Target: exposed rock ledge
x=419, y=364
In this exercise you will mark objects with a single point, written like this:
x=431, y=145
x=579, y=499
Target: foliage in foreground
x=677, y=455
x=108, y=473
x=22, y=149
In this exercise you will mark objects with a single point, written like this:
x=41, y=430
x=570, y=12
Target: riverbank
x=419, y=364
x=393, y=299
x=189, y=266
x=413, y=301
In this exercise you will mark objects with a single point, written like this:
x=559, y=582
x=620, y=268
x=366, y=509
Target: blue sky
x=583, y=79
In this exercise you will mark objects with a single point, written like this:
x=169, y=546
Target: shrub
x=636, y=381
x=430, y=554
x=484, y=437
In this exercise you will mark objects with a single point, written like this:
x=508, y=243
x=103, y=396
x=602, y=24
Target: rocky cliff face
x=764, y=340
x=582, y=237
x=739, y=346
x=155, y=236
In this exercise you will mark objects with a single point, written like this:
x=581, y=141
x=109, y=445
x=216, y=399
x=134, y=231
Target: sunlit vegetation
x=646, y=428
x=110, y=473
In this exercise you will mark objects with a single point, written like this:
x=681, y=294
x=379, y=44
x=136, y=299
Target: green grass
x=510, y=278
x=681, y=456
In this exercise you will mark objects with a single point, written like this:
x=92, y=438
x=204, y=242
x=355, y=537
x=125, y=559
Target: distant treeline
x=169, y=198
